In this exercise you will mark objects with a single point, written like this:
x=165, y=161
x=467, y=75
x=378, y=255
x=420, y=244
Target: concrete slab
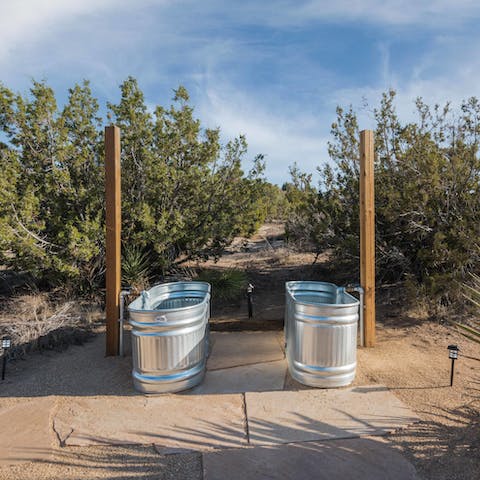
x=307, y=415
x=26, y=433
x=234, y=349
x=261, y=377
x=188, y=422
x=355, y=459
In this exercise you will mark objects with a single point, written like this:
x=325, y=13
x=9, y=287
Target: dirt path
x=269, y=263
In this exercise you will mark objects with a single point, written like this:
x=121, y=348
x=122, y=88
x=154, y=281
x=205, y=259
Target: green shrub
x=184, y=194
x=227, y=285
x=427, y=196
x=137, y=267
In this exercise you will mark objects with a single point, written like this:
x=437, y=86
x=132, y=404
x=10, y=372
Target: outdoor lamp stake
x=453, y=354
x=5, y=346
x=250, y=300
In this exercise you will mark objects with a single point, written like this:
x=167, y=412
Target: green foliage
x=226, y=285
x=189, y=197
x=51, y=213
x=275, y=203
x=137, y=267
x=184, y=195
x=427, y=181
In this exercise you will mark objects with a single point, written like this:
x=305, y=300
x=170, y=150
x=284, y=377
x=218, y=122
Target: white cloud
x=284, y=137
x=24, y=20
x=447, y=73
x=281, y=95
x=432, y=13
x=435, y=14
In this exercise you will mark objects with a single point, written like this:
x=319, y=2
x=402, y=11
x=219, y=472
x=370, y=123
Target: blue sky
x=272, y=70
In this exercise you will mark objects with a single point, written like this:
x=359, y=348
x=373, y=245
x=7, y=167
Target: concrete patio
x=240, y=418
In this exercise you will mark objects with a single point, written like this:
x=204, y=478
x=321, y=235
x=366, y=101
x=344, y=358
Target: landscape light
x=6, y=342
x=453, y=355
x=250, y=300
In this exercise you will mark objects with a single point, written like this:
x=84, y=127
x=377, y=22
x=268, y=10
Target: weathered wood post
x=367, y=234
x=113, y=227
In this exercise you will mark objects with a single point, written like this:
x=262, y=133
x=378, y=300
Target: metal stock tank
x=169, y=336
x=321, y=333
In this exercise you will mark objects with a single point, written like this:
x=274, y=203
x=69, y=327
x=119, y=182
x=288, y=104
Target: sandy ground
x=119, y=463
x=410, y=358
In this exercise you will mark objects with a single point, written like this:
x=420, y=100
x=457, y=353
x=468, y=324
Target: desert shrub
x=471, y=289
x=34, y=321
x=137, y=267
x=51, y=214
x=184, y=194
x=427, y=198
x=276, y=203
x=227, y=284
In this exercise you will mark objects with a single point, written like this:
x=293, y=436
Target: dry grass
x=35, y=322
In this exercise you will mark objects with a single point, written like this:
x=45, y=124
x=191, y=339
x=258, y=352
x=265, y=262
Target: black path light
x=453, y=354
x=5, y=345
x=250, y=300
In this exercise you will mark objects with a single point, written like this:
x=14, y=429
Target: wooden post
x=367, y=234
x=113, y=224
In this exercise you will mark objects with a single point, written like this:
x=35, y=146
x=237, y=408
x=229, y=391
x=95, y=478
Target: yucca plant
x=471, y=291
x=136, y=267
x=226, y=284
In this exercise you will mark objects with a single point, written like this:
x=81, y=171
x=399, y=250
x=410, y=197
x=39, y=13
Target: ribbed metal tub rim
x=147, y=310
x=336, y=287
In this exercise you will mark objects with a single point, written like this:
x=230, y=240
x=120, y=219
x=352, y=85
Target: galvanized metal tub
x=170, y=336
x=321, y=333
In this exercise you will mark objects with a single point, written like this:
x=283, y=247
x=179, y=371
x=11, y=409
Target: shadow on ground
x=446, y=447
x=428, y=445
x=109, y=462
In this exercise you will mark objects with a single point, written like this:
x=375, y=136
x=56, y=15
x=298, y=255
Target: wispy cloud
x=273, y=70
x=435, y=14
x=283, y=136
x=23, y=21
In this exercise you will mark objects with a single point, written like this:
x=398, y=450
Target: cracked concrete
x=192, y=422
x=203, y=422
x=62, y=439
x=245, y=418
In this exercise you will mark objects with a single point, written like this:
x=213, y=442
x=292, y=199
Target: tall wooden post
x=113, y=224
x=367, y=234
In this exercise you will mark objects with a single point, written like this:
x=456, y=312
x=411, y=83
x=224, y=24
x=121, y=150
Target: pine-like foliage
x=184, y=195
x=427, y=195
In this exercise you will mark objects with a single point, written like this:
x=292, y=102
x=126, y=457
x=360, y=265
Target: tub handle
x=158, y=323
x=145, y=296
x=361, y=292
